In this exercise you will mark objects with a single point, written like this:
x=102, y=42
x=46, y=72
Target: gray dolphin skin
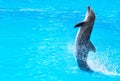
x=82, y=43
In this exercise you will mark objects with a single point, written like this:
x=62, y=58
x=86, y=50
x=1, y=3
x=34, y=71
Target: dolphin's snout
x=88, y=8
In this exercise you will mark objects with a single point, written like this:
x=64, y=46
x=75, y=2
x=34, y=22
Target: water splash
x=70, y=47
x=99, y=62
x=102, y=65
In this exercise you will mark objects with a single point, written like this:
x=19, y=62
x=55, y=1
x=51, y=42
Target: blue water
x=37, y=40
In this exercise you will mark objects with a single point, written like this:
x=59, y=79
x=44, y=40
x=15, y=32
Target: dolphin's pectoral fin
x=91, y=47
x=79, y=24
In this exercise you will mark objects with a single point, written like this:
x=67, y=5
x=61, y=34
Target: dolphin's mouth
x=88, y=8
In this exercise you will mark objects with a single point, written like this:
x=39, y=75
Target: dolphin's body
x=82, y=43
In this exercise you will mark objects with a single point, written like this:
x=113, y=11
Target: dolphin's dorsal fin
x=91, y=47
x=79, y=24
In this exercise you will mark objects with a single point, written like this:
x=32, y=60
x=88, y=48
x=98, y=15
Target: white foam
x=103, y=67
x=30, y=9
x=23, y=9
x=70, y=48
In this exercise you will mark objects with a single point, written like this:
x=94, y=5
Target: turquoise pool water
x=37, y=40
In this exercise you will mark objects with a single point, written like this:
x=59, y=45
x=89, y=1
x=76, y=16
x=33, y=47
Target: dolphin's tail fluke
x=83, y=65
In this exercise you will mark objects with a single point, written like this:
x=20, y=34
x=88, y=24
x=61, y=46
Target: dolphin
x=82, y=43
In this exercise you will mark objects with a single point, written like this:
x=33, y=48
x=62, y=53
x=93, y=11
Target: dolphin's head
x=89, y=18
x=90, y=14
